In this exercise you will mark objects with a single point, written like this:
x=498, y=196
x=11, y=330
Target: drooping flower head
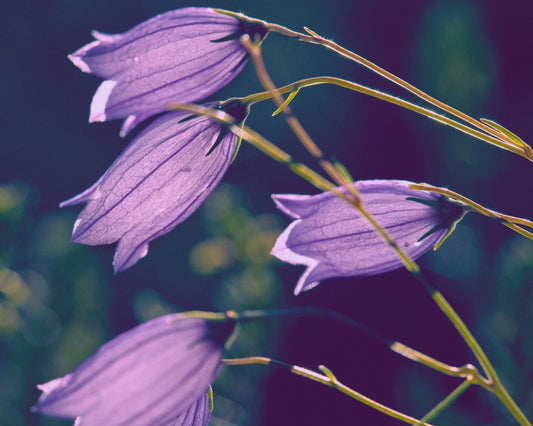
x=333, y=240
x=157, y=373
x=156, y=183
x=179, y=56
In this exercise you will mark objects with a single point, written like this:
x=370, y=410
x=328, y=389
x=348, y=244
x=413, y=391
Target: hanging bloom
x=156, y=183
x=333, y=240
x=157, y=373
x=179, y=56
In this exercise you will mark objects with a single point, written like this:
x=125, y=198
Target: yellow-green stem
x=468, y=371
x=496, y=386
x=328, y=380
x=314, y=38
x=445, y=403
x=258, y=97
x=313, y=149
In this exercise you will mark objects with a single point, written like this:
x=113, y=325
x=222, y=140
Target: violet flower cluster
x=170, y=168
x=158, y=373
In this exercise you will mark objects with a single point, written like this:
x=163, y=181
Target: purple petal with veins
x=331, y=238
x=152, y=374
x=158, y=181
x=171, y=58
x=198, y=413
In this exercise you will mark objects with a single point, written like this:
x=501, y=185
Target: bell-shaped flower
x=158, y=181
x=154, y=374
x=332, y=239
x=180, y=56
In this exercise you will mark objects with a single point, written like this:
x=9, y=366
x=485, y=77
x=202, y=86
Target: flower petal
x=148, y=375
x=158, y=181
x=198, y=413
x=333, y=240
x=171, y=58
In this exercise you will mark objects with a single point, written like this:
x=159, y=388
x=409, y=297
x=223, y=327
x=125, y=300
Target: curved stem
x=468, y=371
x=312, y=37
x=328, y=380
x=258, y=97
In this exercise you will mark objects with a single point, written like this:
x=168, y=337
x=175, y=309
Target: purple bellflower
x=157, y=373
x=179, y=56
x=157, y=182
x=333, y=240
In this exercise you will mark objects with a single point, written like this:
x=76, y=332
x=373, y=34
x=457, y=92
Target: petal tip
x=129, y=123
x=79, y=62
x=102, y=37
x=100, y=100
x=126, y=256
x=77, y=58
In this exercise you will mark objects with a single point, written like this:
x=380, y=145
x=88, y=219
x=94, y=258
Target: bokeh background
x=60, y=301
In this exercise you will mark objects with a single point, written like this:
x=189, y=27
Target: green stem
x=468, y=371
x=446, y=402
x=264, y=145
x=496, y=386
x=258, y=97
x=500, y=391
x=355, y=200
x=465, y=333
x=313, y=38
x=328, y=380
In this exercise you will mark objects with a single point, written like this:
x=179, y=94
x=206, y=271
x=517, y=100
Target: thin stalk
x=467, y=371
x=496, y=385
x=258, y=97
x=446, y=402
x=312, y=37
x=264, y=145
x=500, y=391
x=328, y=380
